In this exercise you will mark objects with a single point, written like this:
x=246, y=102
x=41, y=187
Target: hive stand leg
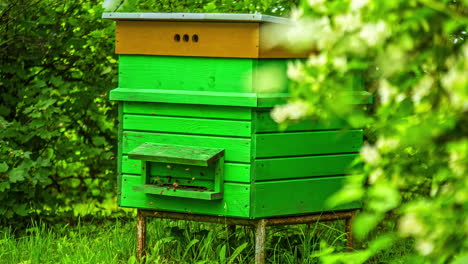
x=348, y=230
x=141, y=236
x=260, y=234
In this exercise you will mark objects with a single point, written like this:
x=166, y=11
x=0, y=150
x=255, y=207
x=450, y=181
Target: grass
x=168, y=242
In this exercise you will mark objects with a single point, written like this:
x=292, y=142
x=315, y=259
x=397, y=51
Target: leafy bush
x=274, y=7
x=57, y=126
x=414, y=59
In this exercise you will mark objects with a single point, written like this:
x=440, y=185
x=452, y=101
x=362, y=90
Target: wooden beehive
x=195, y=133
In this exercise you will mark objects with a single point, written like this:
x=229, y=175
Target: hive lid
x=225, y=17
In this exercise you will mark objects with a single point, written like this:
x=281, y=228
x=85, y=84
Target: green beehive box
x=195, y=133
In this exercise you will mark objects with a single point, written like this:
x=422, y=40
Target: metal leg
x=349, y=232
x=260, y=234
x=141, y=236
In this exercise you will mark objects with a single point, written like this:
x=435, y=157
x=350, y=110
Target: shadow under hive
x=195, y=132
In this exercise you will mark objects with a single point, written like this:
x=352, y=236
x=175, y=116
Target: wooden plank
x=237, y=149
x=184, y=97
x=176, y=154
x=186, y=73
x=214, y=39
x=288, y=197
x=264, y=123
x=307, y=143
x=272, y=100
x=188, y=110
x=302, y=167
x=120, y=158
x=182, y=125
x=235, y=202
x=233, y=172
x=353, y=97
x=183, y=193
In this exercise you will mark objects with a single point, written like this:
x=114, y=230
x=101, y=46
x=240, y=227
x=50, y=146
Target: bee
x=175, y=184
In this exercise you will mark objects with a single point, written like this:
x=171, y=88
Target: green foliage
x=168, y=241
x=413, y=56
x=57, y=128
x=274, y=7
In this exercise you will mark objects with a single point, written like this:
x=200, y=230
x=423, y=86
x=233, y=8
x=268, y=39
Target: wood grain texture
x=184, y=125
x=184, y=97
x=235, y=202
x=288, y=197
x=236, y=149
x=307, y=143
x=186, y=73
x=188, y=110
x=264, y=123
x=233, y=172
x=176, y=154
x=302, y=167
x=214, y=39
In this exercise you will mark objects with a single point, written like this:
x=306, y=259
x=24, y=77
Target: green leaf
x=222, y=254
x=21, y=209
x=16, y=175
x=364, y=223
x=3, y=167
x=236, y=252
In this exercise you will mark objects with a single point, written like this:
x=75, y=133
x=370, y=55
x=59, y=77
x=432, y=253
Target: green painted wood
x=184, y=97
x=184, y=193
x=177, y=154
x=188, y=110
x=235, y=202
x=193, y=125
x=236, y=149
x=289, y=197
x=264, y=123
x=307, y=143
x=119, y=151
x=302, y=167
x=271, y=100
x=233, y=172
x=186, y=73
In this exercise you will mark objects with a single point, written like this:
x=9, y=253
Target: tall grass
x=168, y=242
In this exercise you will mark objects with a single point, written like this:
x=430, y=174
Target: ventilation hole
x=195, y=38
x=177, y=37
x=186, y=38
